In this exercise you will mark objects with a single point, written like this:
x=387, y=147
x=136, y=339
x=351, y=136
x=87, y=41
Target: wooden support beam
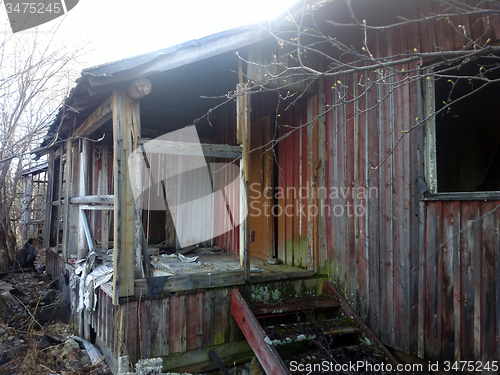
x=266, y=353
x=88, y=235
x=243, y=108
x=92, y=184
x=158, y=146
x=138, y=88
x=193, y=281
x=102, y=114
x=140, y=252
x=124, y=212
x=198, y=360
x=93, y=199
x=97, y=208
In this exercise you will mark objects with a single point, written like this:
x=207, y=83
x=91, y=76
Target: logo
x=24, y=15
x=203, y=198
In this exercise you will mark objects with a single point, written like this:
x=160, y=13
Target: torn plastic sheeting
x=156, y=284
x=25, y=258
x=164, y=267
x=101, y=274
x=91, y=279
x=188, y=259
x=94, y=354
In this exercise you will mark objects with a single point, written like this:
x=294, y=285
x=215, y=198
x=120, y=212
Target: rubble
x=35, y=337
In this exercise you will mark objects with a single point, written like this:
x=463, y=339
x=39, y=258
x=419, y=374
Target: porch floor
x=217, y=262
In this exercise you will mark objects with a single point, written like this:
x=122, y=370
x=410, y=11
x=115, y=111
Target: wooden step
x=308, y=331
x=295, y=305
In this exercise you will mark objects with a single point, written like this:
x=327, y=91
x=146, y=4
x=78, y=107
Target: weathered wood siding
x=183, y=323
x=224, y=120
x=418, y=299
x=54, y=263
x=163, y=326
x=460, y=264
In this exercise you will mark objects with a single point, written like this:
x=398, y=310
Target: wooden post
x=48, y=206
x=124, y=210
x=243, y=121
x=105, y=191
x=83, y=190
x=139, y=270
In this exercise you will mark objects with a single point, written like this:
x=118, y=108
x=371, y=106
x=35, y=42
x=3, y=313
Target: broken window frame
x=430, y=147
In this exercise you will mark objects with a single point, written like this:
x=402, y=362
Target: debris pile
x=35, y=335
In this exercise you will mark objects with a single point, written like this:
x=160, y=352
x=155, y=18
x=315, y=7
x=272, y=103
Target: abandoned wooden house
x=34, y=202
x=349, y=177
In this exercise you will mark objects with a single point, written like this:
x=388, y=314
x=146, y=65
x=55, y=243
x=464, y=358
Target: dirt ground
x=28, y=343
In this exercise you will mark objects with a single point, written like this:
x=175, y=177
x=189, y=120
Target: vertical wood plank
x=191, y=321
x=340, y=138
x=467, y=241
x=209, y=317
x=289, y=193
x=478, y=248
x=329, y=177
x=156, y=327
x=373, y=231
x=447, y=254
x=351, y=126
x=146, y=323
x=281, y=186
x=166, y=326
x=457, y=251
x=294, y=164
x=386, y=162
x=487, y=297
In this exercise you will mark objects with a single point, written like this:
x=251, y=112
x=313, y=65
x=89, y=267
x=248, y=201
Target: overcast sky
x=116, y=29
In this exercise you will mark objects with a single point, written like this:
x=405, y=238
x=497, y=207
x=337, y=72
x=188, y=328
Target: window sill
x=463, y=196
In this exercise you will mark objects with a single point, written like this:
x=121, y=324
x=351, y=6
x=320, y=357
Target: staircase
x=305, y=328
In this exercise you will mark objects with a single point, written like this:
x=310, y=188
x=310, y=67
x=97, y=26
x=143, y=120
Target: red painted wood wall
x=422, y=298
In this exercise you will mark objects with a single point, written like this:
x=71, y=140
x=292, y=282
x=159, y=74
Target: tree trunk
x=7, y=238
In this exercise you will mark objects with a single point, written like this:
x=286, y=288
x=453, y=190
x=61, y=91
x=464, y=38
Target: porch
x=190, y=315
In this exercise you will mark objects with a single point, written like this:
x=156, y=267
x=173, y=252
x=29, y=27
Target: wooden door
x=260, y=190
